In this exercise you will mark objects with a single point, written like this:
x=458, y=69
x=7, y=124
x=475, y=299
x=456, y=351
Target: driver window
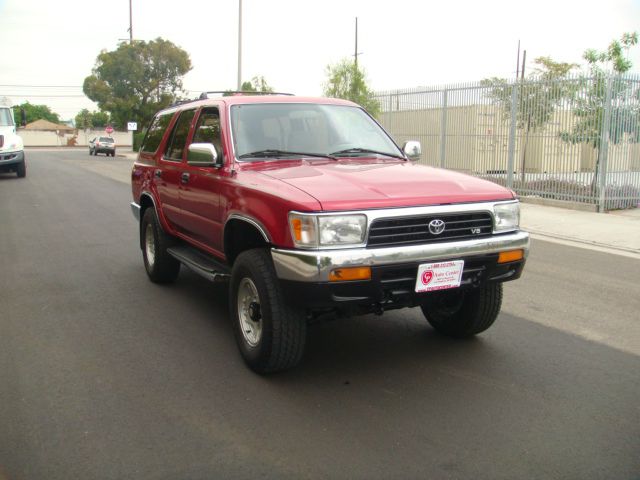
x=208, y=129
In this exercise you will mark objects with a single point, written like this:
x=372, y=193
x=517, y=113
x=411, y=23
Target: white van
x=11, y=146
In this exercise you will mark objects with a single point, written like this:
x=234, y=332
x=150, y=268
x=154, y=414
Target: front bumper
x=10, y=159
x=304, y=275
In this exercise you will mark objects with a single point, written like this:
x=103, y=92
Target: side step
x=201, y=263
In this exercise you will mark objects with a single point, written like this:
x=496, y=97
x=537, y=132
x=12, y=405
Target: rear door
x=171, y=168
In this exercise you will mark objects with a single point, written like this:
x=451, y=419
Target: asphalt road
x=104, y=375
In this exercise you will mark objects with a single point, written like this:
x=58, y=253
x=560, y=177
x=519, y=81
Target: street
x=105, y=375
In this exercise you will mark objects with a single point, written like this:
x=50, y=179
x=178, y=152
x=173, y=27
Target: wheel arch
x=243, y=233
x=146, y=202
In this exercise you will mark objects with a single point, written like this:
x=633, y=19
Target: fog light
x=510, y=256
x=351, y=273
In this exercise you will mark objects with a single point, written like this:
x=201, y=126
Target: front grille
x=415, y=230
x=8, y=156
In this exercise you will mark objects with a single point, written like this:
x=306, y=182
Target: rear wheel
x=464, y=313
x=161, y=267
x=21, y=170
x=270, y=333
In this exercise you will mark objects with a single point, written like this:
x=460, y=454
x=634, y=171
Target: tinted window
x=179, y=136
x=208, y=129
x=106, y=139
x=155, y=133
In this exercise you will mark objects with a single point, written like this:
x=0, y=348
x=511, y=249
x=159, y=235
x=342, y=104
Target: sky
x=49, y=47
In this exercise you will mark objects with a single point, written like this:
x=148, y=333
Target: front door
x=200, y=194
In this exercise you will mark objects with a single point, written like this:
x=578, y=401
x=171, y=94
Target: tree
x=346, y=80
x=137, y=79
x=34, y=112
x=86, y=119
x=257, y=84
x=601, y=91
x=537, y=97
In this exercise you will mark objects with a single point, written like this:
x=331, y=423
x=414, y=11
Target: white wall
x=45, y=138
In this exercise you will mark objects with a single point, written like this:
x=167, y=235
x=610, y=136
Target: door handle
x=158, y=173
x=185, y=177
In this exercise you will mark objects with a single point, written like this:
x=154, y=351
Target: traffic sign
x=132, y=126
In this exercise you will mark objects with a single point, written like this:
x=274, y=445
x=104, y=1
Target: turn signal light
x=297, y=228
x=351, y=273
x=510, y=256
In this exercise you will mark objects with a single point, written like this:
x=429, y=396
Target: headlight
x=506, y=216
x=327, y=230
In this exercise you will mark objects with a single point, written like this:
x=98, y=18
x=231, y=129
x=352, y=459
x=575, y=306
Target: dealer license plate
x=439, y=276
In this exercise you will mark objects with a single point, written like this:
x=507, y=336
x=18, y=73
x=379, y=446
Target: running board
x=201, y=263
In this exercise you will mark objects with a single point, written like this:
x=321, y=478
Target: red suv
x=308, y=208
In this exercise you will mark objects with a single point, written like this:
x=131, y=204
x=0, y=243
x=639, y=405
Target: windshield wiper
x=367, y=150
x=269, y=153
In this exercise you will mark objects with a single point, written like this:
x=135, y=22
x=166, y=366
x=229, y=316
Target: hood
x=374, y=183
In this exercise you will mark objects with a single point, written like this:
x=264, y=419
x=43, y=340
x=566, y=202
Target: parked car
x=102, y=145
x=309, y=209
x=12, y=157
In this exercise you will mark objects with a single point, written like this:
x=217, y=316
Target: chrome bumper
x=135, y=209
x=315, y=265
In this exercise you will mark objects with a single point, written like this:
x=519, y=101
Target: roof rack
x=205, y=95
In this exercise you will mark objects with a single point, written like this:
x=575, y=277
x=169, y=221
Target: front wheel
x=463, y=313
x=160, y=266
x=21, y=169
x=270, y=333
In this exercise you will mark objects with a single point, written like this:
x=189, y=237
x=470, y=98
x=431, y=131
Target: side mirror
x=413, y=150
x=203, y=155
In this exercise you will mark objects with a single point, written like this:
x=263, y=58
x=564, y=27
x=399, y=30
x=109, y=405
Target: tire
x=160, y=266
x=460, y=313
x=270, y=333
x=21, y=170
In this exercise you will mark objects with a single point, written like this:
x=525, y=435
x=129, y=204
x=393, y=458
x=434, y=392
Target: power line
x=42, y=86
x=43, y=96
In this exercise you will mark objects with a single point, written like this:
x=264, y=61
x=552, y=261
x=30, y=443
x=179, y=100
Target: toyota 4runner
x=308, y=208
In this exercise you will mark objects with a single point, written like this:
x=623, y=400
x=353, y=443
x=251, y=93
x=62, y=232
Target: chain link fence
x=573, y=139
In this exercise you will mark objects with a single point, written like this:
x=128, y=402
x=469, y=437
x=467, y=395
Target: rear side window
x=179, y=135
x=155, y=133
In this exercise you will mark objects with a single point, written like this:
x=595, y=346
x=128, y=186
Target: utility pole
x=356, y=51
x=239, y=45
x=130, y=23
x=518, y=62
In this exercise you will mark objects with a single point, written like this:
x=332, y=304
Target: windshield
x=293, y=129
x=6, y=118
x=106, y=139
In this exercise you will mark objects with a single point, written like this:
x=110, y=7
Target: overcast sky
x=404, y=43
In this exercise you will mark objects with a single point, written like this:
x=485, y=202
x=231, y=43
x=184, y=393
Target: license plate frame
x=439, y=276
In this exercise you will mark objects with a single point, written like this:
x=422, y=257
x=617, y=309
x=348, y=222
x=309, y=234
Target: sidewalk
x=618, y=230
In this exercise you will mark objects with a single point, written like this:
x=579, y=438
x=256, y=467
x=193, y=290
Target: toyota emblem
x=436, y=226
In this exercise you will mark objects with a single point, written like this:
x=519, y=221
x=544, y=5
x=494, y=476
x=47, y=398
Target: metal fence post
x=512, y=135
x=443, y=129
x=603, y=151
